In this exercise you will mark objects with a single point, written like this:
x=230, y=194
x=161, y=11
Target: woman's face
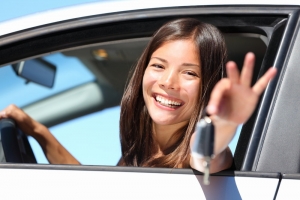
x=171, y=82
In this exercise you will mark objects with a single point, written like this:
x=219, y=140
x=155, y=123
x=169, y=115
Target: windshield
x=19, y=93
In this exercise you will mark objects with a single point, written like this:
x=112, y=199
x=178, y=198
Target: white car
x=89, y=50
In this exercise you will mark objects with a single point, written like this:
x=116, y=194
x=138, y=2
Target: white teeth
x=167, y=102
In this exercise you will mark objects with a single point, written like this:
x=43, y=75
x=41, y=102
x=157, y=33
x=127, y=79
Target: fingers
x=23, y=121
x=232, y=72
x=245, y=77
x=262, y=83
x=6, y=112
x=13, y=112
x=247, y=71
x=217, y=95
x=3, y=114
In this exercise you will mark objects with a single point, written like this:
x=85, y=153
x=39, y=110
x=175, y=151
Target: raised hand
x=233, y=99
x=231, y=103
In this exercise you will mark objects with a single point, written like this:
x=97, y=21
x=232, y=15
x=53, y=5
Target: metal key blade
x=206, y=171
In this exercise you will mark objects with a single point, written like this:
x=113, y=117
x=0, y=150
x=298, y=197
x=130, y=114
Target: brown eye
x=191, y=73
x=157, y=66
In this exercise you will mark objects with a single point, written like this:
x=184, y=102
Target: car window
x=92, y=137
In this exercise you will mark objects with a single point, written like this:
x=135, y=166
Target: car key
x=203, y=145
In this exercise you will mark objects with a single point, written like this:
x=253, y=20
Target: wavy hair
x=137, y=143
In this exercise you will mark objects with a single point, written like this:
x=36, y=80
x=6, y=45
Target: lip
x=169, y=98
x=154, y=95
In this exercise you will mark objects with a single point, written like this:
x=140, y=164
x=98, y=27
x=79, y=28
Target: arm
x=231, y=103
x=54, y=151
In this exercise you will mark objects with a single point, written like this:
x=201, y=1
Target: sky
x=17, y=8
x=102, y=144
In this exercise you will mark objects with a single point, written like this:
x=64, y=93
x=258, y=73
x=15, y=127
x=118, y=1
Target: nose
x=169, y=80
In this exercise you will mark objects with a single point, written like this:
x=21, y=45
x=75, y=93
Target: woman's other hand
x=54, y=151
x=23, y=121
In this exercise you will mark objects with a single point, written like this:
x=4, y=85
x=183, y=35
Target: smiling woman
x=181, y=65
x=171, y=90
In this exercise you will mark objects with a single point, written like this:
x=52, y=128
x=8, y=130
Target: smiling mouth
x=166, y=102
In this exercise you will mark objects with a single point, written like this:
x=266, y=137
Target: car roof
x=105, y=7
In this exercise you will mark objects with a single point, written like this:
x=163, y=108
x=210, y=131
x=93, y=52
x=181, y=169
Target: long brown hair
x=137, y=143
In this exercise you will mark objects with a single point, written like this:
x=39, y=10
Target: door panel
x=289, y=187
x=89, y=182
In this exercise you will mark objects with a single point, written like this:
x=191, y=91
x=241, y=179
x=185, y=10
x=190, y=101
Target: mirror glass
x=36, y=70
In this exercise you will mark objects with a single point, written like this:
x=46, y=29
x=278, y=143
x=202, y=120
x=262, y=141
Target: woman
x=177, y=76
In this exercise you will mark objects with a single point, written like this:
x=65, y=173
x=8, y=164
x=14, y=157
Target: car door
x=268, y=31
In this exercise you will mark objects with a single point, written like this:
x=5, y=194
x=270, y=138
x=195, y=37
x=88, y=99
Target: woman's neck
x=163, y=134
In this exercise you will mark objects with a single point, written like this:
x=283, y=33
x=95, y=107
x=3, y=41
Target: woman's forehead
x=182, y=50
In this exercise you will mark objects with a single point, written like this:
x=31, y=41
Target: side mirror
x=36, y=70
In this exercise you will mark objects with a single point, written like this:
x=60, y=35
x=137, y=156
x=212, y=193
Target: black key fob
x=203, y=145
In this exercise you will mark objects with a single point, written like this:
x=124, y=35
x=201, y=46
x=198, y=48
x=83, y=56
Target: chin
x=166, y=122
x=162, y=122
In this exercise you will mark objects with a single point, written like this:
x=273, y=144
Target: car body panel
x=288, y=185
x=67, y=182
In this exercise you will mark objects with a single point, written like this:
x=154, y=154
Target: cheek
x=145, y=80
x=193, y=91
x=149, y=79
x=146, y=83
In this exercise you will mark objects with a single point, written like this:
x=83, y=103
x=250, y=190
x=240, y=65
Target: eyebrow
x=161, y=59
x=183, y=64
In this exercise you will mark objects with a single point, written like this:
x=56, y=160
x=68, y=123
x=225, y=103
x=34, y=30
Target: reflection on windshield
x=21, y=94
